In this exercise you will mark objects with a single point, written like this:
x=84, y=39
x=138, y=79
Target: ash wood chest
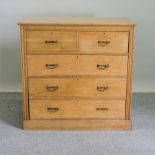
x=77, y=73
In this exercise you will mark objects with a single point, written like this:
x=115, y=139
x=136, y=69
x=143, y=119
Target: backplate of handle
x=102, y=88
x=102, y=66
x=52, y=88
x=103, y=42
x=52, y=109
x=101, y=109
x=51, y=41
x=51, y=66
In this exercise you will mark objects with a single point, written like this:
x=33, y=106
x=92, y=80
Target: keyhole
x=77, y=57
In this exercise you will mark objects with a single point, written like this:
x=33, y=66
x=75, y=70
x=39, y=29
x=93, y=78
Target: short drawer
x=48, y=109
x=44, y=42
x=103, y=42
x=77, y=87
x=46, y=65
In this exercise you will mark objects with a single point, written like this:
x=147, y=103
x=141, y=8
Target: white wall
x=13, y=11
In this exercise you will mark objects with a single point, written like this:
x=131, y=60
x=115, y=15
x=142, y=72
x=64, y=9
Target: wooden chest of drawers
x=77, y=73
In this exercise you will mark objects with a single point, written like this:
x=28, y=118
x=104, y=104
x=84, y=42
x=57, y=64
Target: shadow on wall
x=10, y=67
x=11, y=109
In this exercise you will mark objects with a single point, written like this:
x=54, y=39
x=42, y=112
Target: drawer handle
x=103, y=109
x=51, y=66
x=102, y=88
x=52, y=109
x=102, y=66
x=51, y=41
x=103, y=43
x=52, y=88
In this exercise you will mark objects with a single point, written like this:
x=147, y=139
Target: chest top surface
x=77, y=21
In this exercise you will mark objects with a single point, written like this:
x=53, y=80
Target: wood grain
x=39, y=65
x=117, y=42
x=40, y=109
x=130, y=74
x=79, y=82
x=24, y=75
x=65, y=41
x=78, y=28
x=78, y=124
x=77, y=21
x=78, y=87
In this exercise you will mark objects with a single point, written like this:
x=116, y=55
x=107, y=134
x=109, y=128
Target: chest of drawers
x=77, y=73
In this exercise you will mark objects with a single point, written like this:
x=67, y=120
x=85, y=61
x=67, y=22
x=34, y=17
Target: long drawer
x=41, y=42
x=77, y=87
x=48, y=109
x=46, y=65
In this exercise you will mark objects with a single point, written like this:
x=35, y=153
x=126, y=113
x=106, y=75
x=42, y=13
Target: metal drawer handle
x=103, y=109
x=103, y=43
x=52, y=88
x=102, y=66
x=102, y=88
x=52, y=109
x=51, y=41
x=51, y=66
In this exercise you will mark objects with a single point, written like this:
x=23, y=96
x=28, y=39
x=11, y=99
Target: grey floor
x=15, y=141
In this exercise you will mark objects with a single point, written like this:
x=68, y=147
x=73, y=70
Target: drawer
x=44, y=42
x=48, y=109
x=103, y=42
x=77, y=87
x=46, y=65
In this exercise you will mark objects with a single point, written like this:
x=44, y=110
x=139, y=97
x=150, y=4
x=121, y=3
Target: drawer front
x=46, y=109
x=44, y=42
x=77, y=87
x=103, y=42
x=45, y=65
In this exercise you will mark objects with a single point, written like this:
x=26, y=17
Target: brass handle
x=52, y=88
x=103, y=109
x=102, y=66
x=103, y=42
x=51, y=66
x=52, y=109
x=102, y=88
x=51, y=41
